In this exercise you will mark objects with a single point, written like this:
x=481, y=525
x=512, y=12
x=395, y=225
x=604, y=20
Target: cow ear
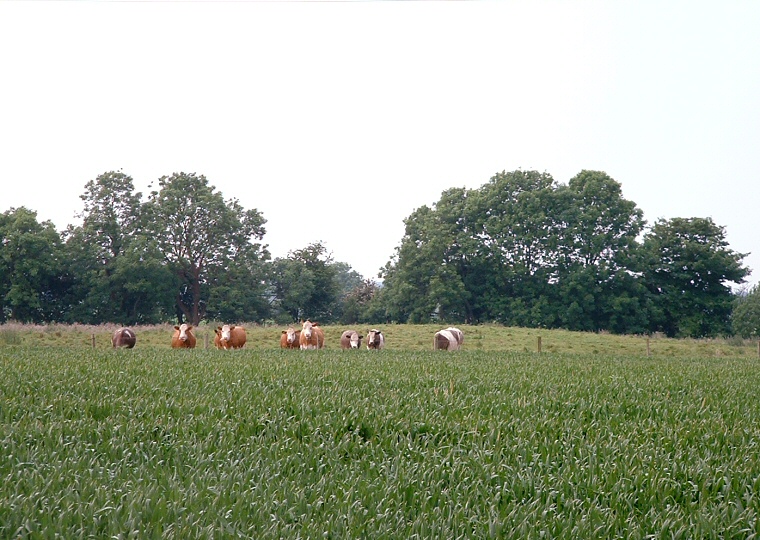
x=284, y=331
x=218, y=327
x=176, y=327
x=189, y=327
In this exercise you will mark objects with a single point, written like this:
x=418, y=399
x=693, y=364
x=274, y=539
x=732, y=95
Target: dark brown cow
x=350, y=339
x=183, y=337
x=290, y=338
x=229, y=336
x=312, y=336
x=375, y=340
x=124, y=337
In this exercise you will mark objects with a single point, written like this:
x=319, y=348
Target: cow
x=183, y=337
x=312, y=336
x=457, y=334
x=445, y=340
x=350, y=339
x=229, y=337
x=290, y=338
x=124, y=337
x=375, y=340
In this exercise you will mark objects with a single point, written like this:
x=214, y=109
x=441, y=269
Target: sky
x=337, y=119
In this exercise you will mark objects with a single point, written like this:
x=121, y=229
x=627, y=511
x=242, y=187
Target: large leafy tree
x=426, y=278
x=485, y=254
x=597, y=283
x=689, y=269
x=239, y=294
x=201, y=236
x=33, y=280
x=520, y=228
x=524, y=250
x=120, y=275
x=305, y=285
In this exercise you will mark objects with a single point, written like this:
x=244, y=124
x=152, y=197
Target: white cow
x=445, y=340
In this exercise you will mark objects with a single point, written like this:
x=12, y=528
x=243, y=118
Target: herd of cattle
x=310, y=336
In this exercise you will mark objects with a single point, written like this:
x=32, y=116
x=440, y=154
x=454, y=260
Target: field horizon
x=398, y=337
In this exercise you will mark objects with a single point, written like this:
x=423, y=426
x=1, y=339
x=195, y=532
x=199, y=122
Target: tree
x=520, y=227
x=348, y=280
x=597, y=274
x=426, y=279
x=201, y=235
x=239, y=294
x=120, y=275
x=688, y=267
x=32, y=275
x=358, y=304
x=305, y=285
x=746, y=314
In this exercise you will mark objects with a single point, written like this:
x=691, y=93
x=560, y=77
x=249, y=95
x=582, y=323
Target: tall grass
x=396, y=444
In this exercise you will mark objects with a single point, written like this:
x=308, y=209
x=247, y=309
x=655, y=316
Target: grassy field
x=398, y=338
x=263, y=443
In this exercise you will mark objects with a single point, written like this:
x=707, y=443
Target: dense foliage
x=154, y=443
x=523, y=250
x=746, y=314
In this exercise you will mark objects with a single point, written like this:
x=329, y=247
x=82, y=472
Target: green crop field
x=155, y=443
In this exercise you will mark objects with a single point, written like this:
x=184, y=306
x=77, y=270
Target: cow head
x=292, y=335
x=225, y=331
x=183, y=331
x=307, y=329
x=355, y=340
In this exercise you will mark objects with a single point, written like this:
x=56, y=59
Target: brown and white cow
x=124, y=337
x=445, y=340
x=350, y=339
x=290, y=338
x=183, y=337
x=229, y=336
x=457, y=334
x=312, y=336
x=375, y=339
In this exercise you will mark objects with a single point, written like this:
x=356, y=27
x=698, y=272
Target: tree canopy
x=526, y=250
x=523, y=249
x=201, y=236
x=33, y=279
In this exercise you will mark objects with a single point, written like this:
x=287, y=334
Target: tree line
x=520, y=250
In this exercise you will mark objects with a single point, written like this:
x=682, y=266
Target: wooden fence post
x=93, y=341
x=205, y=340
x=649, y=351
x=538, y=343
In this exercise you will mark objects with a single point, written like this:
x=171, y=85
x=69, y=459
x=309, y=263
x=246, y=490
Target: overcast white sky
x=337, y=119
